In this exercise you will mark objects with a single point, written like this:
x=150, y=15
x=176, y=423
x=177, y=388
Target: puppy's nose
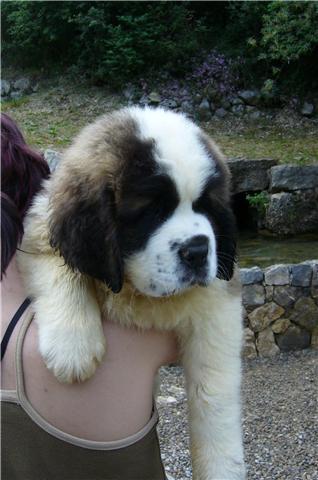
x=194, y=252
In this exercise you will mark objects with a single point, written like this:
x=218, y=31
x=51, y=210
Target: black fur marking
x=156, y=198
x=86, y=237
x=222, y=219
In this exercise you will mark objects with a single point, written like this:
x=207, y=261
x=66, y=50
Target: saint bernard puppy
x=136, y=224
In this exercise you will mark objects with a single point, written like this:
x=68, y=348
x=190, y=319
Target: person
x=104, y=428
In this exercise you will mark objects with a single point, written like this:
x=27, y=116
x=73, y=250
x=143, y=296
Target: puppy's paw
x=72, y=354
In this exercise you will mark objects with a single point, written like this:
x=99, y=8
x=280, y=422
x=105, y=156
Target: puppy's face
x=161, y=220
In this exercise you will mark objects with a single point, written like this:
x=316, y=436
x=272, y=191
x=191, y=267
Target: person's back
x=101, y=429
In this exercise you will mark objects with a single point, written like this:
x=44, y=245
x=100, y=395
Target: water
x=264, y=251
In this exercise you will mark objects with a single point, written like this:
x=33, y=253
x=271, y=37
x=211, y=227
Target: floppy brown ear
x=84, y=231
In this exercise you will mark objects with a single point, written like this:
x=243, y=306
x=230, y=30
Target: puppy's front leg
x=71, y=338
x=211, y=357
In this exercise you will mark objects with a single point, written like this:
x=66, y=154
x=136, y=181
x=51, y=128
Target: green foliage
x=116, y=41
x=259, y=201
x=289, y=31
x=279, y=38
x=111, y=41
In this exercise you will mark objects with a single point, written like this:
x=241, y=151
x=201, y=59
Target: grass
x=52, y=116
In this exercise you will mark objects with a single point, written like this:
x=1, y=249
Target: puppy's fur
x=136, y=223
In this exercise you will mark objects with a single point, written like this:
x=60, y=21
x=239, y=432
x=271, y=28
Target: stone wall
x=280, y=308
x=290, y=194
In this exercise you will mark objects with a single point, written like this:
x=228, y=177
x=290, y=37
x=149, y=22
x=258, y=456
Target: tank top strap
x=13, y=322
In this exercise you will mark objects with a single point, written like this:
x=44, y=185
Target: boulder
x=291, y=177
x=238, y=109
x=249, y=348
x=307, y=109
x=250, y=97
x=203, y=110
x=286, y=295
x=253, y=295
x=292, y=213
x=220, y=112
x=301, y=275
x=314, y=338
x=250, y=175
x=251, y=275
x=23, y=85
x=5, y=88
x=294, y=338
x=305, y=313
x=277, y=275
x=266, y=345
x=154, y=98
x=169, y=103
x=281, y=325
x=263, y=316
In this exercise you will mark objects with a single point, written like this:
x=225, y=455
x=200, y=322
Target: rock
x=163, y=400
x=237, y=101
x=143, y=100
x=281, y=325
x=16, y=95
x=249, y=348
x=53, y=158
x=286, y=296
x=292, y=213
x=255, y=115
x=244, y=317
x=5, y=88
x=251, y=275
x=269, y=291
x=203, y=110
x=221, y=112
x=23, y=85
x=168, y=103
x=253, y=295
x=225, y=103
x=308, y=109
x=238, y=109
x=301, y=275
x=129, y=92
x=266, y=345
x=154, y=98
x=314, y=338
x=305, y=313
x=294, y=338
x=314, y=280
x=277, y=275
x=187, y=106
x=291, y=177
x=263, y=316
x=250, y=97
x=35, y=88
x=250, y=175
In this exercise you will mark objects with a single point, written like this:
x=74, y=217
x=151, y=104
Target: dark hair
x=22, y=170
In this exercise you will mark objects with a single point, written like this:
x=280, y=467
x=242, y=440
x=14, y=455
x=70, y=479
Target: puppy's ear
x=84, y=231
x=226, y=238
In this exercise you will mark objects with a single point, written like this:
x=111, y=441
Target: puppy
x=136, y=224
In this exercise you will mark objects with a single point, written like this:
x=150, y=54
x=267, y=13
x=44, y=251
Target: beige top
x=19, y=397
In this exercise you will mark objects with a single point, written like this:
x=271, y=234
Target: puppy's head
x=143, y=196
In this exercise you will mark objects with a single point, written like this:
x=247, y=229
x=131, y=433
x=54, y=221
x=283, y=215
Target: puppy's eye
x=135, y=206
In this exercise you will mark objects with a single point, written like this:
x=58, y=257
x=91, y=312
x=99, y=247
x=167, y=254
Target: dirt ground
x=280, y=418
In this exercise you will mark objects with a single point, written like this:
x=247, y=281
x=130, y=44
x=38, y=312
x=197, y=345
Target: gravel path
x=280, y=414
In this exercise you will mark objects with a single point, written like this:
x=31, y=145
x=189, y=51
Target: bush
x=111, y=41
x=118, y=41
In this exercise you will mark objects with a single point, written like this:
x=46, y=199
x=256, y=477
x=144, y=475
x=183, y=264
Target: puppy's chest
x=173, y=313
